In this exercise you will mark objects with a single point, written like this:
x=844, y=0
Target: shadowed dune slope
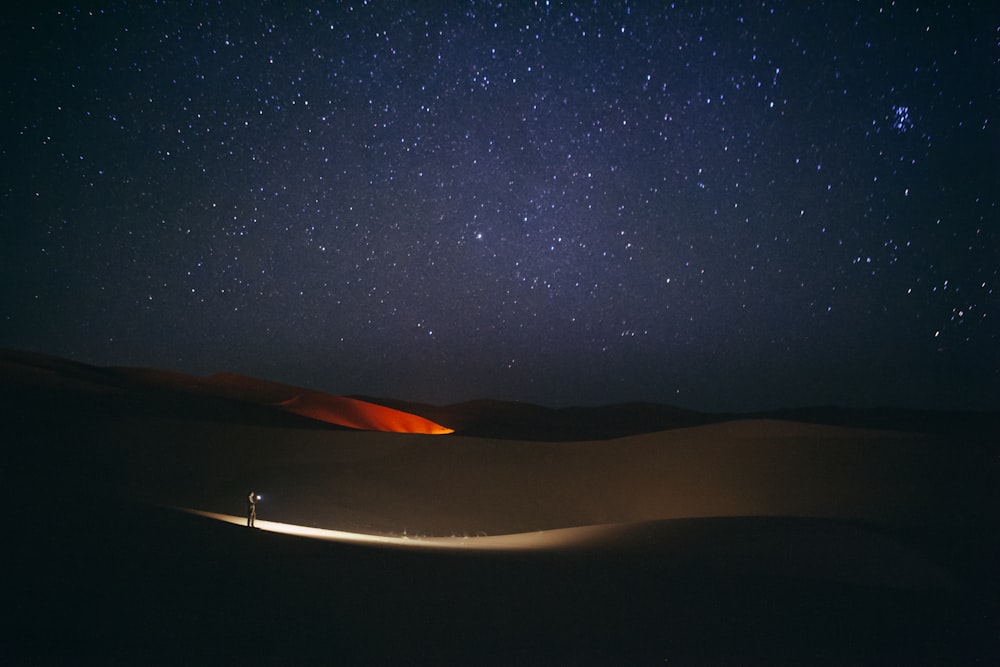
x=228, y=391
x=459, y=485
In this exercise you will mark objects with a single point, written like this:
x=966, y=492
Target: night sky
x=730, y=207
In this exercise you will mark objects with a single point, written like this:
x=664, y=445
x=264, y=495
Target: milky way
x=740, y=207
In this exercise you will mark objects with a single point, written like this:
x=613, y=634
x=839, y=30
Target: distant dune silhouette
x=510, y=420
x=235, y=397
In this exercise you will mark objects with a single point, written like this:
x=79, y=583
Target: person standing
x=252, y=499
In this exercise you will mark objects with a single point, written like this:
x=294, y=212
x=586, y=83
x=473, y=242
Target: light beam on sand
x=537, y=540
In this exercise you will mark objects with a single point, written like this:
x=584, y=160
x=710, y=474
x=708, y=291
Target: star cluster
x=733, y=207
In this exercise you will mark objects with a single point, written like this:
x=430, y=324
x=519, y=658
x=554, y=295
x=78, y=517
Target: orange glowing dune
x=338, y=410
x=357, y=414
x=40, y=370
x=327, y=408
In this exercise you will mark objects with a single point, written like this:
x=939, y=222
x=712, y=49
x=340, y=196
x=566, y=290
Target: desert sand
x=385, y=537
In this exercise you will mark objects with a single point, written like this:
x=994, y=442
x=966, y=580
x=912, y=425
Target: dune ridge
x=360, y=415
x=166, y=387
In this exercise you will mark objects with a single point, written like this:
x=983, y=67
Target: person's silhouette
x=252, y=499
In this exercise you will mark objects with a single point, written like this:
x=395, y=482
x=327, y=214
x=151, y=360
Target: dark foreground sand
x=152, y=587
x=757, y=541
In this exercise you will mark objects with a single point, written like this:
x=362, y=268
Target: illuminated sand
x=786, y=547
x=537, y=540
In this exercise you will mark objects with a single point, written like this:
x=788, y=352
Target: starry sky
x=722, y=206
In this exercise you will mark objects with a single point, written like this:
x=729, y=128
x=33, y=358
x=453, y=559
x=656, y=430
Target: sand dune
x=653, y=545
x=379, y=482
x=510, y=420
x=389, y=482
x=164, y=388
x=315, y=405
x=788, y=547
x=353, y=413
x=537, y=540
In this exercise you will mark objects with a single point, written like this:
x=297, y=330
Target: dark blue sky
x=749, y=206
